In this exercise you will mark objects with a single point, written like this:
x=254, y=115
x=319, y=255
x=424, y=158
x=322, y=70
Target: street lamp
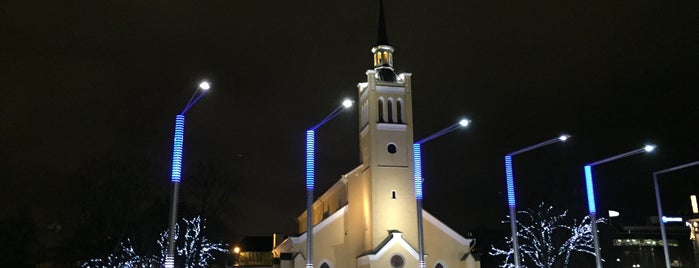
x=591, y=205
x=417, y=162
x=660, y=206
x=310, y=176
x=177, y=169
x=510, y=182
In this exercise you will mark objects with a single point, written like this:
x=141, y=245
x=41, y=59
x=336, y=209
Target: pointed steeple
x=383, y=52
x=382, y=36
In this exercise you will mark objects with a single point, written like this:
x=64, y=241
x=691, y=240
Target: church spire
x=382, y=36
x=383, y=52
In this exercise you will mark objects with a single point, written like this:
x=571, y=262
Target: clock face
x=397, y=261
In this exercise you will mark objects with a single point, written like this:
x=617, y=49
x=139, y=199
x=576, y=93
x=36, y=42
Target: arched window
x=325, y=265
x=399, y=111
x=381, y=111
x=439, y=265
x=390, y=110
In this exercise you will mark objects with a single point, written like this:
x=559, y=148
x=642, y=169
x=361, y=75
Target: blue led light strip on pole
x=417, y=170
x=310, y=159
x=177, y=149
x=310, y=177
x=591, y=204
x=417, y=157
x=417, y=173
x=177, y=171
x=510, y=182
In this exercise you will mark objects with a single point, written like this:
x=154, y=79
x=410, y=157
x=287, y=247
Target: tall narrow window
x=399, y=111
x=393, y=194
x=380, y=111
x=390, y=110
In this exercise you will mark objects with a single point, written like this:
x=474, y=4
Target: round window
x=392, y=149
x=397, y=261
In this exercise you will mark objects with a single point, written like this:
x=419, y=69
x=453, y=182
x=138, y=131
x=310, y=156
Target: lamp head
x=204, y=86
x=464, y=122
x=564, y=137
x=649, y=148
x=347, y=103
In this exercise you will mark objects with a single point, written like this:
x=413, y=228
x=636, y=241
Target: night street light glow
x=204, y=85
x=347, y=103
x=464, y=122
x=564, y=137
x=649, y=148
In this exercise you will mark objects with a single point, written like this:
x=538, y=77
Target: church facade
x=368, y=218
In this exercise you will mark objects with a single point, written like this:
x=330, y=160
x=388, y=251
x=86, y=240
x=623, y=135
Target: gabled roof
x=444, y=228
x=394, y=238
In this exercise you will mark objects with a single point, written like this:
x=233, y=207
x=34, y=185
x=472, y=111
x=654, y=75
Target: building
x=642, y=245
x=368, y=218
x=252, y=251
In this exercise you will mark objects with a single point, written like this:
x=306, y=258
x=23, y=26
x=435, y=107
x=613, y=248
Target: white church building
x=368, y=218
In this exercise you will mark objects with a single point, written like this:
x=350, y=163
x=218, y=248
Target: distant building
x=252, y=251
x=642, y=246
x=368, y=218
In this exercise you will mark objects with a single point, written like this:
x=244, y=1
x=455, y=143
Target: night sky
x=84, y=81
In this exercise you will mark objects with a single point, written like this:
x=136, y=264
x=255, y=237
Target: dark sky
x=84, y=80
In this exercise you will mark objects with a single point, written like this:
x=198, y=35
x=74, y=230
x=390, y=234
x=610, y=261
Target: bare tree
x=546, y=240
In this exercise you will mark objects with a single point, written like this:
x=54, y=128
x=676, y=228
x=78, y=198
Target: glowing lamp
x=649, y=148
x=236, y=250
x=564, y=137
x=347, y=103
x=464, y=122
x=614, y=213
x=204, y=85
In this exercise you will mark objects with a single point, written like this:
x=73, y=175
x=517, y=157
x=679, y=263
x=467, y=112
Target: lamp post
x=310, y=177
x=417, y=166
x=177, y=170
x=660, y=206
x=510, y=182
x=591, y=205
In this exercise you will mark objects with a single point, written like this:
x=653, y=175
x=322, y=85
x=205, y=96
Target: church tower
x=368, y=218
x=385, y=139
